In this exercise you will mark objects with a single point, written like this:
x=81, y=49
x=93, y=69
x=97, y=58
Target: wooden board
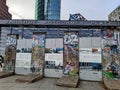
x=68, y=81
x=111, y=84
x=4, y=74
x=29, y=78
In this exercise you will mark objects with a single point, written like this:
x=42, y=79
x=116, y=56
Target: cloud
x=90, y=9
x=23, y=9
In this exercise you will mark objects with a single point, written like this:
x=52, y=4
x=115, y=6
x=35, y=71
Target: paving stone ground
x=45, y=84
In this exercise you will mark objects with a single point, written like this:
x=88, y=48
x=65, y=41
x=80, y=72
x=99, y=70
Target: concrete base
x=4, y=74
x=29, y=78
x=111, y=84
x=68, y=81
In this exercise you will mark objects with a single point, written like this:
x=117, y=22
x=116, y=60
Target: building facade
x=4, y=14
x=115, y=14
x=47, y=9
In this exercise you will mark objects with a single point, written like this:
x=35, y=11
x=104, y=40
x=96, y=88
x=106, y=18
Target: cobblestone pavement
x=45, y=84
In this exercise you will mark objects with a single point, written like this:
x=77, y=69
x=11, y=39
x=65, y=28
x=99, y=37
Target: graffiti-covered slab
x=10, y=53
x=110, y=51
x=71, y=53
x=38, y=53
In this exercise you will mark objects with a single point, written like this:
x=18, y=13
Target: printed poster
x=54, y=57
x=23, y=56
x=54, y=53
x=90, y=64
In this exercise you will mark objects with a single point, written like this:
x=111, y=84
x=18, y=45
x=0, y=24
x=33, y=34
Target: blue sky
x=90, y=9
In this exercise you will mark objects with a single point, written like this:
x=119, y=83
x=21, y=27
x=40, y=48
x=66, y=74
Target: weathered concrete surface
x=112, y=84
x=69, y=81
x=9, y=83
x=29, y=78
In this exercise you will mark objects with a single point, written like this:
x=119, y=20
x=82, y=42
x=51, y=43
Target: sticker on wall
x=38, y=53
x=110, y=50
x=71, y=53
x=10, y=53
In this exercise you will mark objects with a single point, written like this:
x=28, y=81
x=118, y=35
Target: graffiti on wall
x=38, y=53
x=71, y=53
x=110, y=50
x=10, y=53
